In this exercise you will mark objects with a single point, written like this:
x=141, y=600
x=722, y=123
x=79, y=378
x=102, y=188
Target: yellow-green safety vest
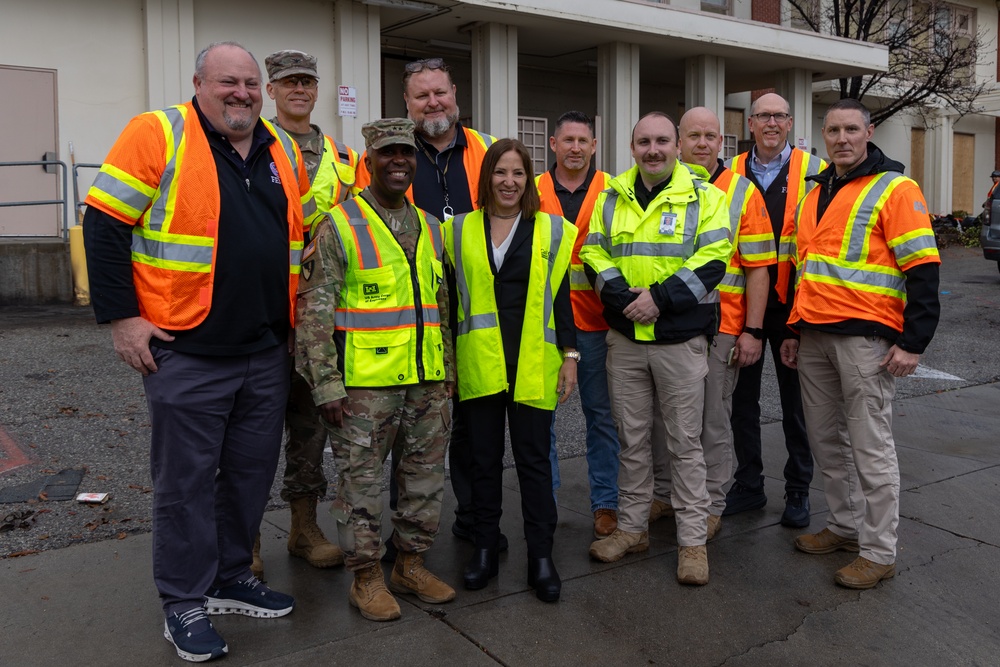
x=482, y=369
x=389, y=318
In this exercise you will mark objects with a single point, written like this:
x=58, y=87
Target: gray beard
x=436, y=128
x=237, y=124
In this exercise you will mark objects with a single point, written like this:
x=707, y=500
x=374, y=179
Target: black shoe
x=542, y=576
x=796, y=513
x=390, y=550
x=481, y=569
x=463, y=532
x=743, y=499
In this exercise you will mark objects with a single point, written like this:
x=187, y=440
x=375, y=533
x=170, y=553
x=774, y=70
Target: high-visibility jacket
x=753, y=245
x=388, y=316
x=169, y=193
x=334, y=179
x=851, y=262
x=800, y=165
x=677, y=247
x=482, y=368
x=587, y=307
x=472, y=159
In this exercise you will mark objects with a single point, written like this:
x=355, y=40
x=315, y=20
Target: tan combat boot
x=618, y=544
x=369, y=595
x=692, y=565
x=410, y=576
x=257, y=565
x=714, y=525
x=659, y=509
x=306, y=540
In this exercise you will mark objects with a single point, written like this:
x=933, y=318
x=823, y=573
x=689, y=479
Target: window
x=730, y=144
x=534, y=134
x=717, y=6
x=803, y=15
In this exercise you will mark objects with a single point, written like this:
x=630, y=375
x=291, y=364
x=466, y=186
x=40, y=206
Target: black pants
x=530, y=443
x=746, y=416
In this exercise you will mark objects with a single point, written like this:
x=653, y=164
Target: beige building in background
x=78, y=71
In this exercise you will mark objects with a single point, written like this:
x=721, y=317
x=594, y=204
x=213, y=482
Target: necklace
x=505, y=217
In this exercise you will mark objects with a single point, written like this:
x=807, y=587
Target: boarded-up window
x=963, y=177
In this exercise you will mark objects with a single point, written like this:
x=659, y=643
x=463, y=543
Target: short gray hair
x=199, y=61
x=849, y=104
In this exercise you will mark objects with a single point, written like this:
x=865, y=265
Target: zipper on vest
x=419, y=308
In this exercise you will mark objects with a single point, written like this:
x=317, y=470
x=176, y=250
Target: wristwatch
x=572, y=355
x=756, y=333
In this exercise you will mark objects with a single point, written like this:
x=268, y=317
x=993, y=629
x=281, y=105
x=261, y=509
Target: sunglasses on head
x=426, y=63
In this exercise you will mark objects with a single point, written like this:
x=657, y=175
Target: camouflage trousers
x=372, y=418
x=304, y=445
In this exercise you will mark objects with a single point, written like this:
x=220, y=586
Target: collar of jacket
x=680, y=190
x=877, y=162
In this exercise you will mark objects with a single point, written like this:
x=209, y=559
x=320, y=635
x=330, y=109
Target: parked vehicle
x=989, y=232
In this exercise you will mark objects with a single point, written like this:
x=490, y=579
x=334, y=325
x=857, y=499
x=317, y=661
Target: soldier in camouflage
x=372, y=276
x=293, y=84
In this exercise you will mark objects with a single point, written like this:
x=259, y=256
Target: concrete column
x=494, y=79
x=358, y=64
x=617, y=103
x=170, y=51
x=939, y=166
x=795, y=85
x=705, y=84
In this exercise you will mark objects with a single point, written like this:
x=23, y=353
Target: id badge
x=668, y=221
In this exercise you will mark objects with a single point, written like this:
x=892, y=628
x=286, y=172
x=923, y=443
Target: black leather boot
x=542, y=576
x=481, y=568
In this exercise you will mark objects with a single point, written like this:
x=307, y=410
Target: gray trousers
x=847, y=401
x=216, y=435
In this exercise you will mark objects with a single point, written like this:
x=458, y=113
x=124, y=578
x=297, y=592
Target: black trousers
x=530, y=443
x=745, y=419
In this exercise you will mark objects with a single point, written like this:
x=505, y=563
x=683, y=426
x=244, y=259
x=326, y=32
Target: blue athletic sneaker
x=250, y=597
x=194, y=636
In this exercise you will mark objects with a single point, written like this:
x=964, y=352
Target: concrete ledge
x=35, y=272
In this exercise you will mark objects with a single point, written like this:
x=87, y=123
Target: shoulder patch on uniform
x=919, y=207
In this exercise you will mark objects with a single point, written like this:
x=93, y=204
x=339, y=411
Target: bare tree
x=934, y=49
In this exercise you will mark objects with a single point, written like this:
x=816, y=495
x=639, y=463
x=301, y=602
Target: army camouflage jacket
x=320, y=283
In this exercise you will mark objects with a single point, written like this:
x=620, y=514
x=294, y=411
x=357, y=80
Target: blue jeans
x=602, y=438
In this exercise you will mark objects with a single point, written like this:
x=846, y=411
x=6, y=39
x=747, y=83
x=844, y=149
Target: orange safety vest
x=160, y=177
x=753, y=246
x=472, y=158
x=800, y=165
x=588, y=311
x=851, y=262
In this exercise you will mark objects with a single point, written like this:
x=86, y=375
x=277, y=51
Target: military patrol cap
x=388, y=131
x=286, y=63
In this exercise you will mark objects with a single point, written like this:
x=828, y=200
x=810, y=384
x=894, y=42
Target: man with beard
x=658, y=247
x=194, y=259
x=449, y=157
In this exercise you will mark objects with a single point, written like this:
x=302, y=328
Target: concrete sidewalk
x=766, y=604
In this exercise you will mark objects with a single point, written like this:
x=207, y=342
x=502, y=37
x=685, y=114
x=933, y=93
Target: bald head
x=770, y=122
x=701, y=138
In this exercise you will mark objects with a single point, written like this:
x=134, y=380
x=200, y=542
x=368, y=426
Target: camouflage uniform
x=372, y=417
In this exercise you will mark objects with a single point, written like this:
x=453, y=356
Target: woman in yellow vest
x=515, y=352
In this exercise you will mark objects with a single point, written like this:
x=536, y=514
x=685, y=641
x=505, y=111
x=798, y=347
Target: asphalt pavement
x=77, y=586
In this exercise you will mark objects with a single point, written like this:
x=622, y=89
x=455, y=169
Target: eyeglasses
x=306, y=82
x=765, y=117
x=426, y=63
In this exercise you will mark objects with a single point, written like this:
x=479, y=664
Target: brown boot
x=306, y=540
x=714, y=525
x=605, y=523
x=659, y=509
x=618, y=544
x=692, y=565
x=369, y=595
x=410, y=576
x=257, y=565
x=863, y=573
